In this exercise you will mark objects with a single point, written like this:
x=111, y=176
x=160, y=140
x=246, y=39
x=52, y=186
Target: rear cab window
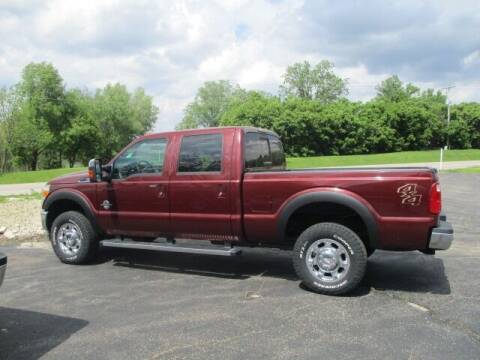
x=263, y=152
x=200, y=153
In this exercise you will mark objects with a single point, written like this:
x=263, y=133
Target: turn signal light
x=45, y=191
x=435, y=206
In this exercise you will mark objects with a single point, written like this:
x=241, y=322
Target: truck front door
x=135, y=201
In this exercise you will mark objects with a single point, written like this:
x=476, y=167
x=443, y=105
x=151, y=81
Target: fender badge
x=106, y=204
x=409, y=195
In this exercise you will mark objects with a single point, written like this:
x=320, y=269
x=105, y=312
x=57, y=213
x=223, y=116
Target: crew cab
x=230, y=186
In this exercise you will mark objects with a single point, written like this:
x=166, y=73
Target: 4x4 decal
x=409, y=195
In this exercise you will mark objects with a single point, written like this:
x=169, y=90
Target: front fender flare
x=330, y=196
x=73, y=196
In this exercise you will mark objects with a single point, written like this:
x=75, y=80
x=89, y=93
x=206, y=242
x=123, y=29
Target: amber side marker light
x=45, y=191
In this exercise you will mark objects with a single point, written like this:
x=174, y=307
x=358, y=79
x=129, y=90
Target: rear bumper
x=442, y=235
x=3, y=267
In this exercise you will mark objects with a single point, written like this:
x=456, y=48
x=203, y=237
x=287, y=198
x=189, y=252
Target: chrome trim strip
x=190, y=249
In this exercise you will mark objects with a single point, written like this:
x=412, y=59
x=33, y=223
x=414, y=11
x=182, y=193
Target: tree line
x=43, y=124
x=313, y=116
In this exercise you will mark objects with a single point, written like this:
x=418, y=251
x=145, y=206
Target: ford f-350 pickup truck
x=230, y=186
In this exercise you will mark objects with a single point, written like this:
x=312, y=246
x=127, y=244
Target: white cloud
x=361, y=83
x=472, y=59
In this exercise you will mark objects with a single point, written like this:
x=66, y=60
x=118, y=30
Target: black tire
x=352, y=252
x=86, y=245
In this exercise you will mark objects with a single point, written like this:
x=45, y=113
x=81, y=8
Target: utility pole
x=447, y=89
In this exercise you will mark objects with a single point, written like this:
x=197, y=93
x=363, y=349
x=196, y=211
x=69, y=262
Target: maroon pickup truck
x=230, y=186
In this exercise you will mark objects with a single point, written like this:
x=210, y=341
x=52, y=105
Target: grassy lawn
x=306, y=162
x=387, y=158
x=23, y=177
x=470, y=170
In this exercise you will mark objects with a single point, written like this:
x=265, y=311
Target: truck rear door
x=199, y=188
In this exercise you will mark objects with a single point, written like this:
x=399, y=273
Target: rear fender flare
x=343, y=197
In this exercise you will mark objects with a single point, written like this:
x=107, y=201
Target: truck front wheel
x=73, y=238
x=330, y=258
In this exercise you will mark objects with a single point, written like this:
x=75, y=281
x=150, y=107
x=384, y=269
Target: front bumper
x=43, y=215
x=3, y=267
x=442, y=235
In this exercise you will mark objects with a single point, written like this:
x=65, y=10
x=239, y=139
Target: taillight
x=435, y=199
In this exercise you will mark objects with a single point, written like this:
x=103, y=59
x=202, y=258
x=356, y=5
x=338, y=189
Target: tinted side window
x=276, y=149
x=257, y=153
x=200, y=153
x=144, y=157
x=263, y=152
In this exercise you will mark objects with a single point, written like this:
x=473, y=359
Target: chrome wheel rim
x=327, y=260
x=69, y=238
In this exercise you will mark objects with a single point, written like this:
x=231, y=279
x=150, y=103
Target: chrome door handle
x=221, y=193
x=162, y=193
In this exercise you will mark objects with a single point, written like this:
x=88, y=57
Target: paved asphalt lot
x=168, y=306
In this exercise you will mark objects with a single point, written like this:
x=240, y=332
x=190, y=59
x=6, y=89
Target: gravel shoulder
x=20, y=221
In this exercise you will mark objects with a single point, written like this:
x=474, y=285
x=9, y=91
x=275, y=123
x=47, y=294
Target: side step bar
x=171, y=247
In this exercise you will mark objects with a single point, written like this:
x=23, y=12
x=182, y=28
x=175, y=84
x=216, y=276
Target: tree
x=211, y=102
x=41, y=123
x=416, y=126
x=120, y=116
x=9, y=108
x=432, y=96
x=43, y=107
x=79, y=140
x=255, y=109
x=42, y=88
x=319, y=83
x=144, y=113
x=464, y=130
x=392, y=89
x=30, y=140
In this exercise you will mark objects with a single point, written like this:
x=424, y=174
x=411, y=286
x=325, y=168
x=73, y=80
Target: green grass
x=32, y=196
x=470, y=170
x=306, y=162
x=22, y=177
x=387, y=158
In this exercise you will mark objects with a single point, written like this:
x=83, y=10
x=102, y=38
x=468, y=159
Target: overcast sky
x=171, y=47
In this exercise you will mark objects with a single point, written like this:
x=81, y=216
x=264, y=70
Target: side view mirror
x=98, y=172
x=94, y=170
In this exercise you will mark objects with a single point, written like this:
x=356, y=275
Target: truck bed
x=400, y=225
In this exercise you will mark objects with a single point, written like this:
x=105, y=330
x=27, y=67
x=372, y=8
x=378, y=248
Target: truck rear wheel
x=73, y=238
x=330, y=258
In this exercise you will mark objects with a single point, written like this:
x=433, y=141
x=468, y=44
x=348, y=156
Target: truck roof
x=210, y=129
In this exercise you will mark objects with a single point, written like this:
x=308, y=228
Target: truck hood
x=70, y=178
